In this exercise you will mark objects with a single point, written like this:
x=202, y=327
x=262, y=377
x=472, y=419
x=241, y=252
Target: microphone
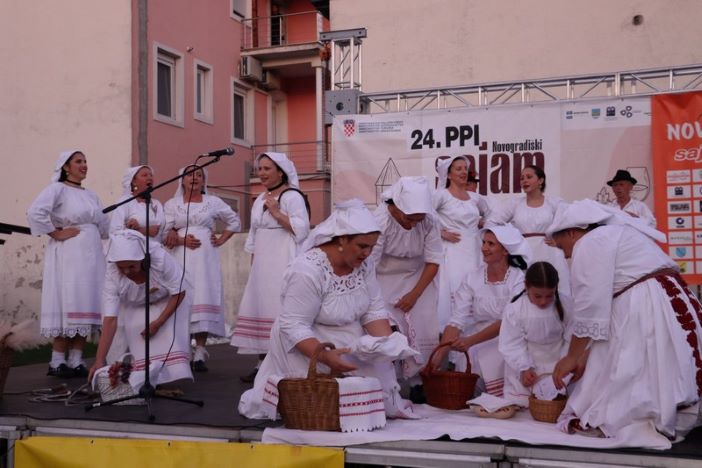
x=223, y=152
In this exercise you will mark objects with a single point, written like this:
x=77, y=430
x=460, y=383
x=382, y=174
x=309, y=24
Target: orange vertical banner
x=676, y=132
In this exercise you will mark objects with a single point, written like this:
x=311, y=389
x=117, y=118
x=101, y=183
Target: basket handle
x=428, y=369
x=4, y=338
x=540, y=377
x=312, y=370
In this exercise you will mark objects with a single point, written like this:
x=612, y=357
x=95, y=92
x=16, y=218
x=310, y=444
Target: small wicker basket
x=6, y=355
x=448, y=389
x=546, y=410
x=311, y=404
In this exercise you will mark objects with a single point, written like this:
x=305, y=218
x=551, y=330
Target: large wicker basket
x=6, y=355
x=546, y=410
x=311, y=404
x=448, y=389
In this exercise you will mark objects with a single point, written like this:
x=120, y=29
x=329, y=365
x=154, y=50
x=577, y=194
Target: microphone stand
x=147, y=391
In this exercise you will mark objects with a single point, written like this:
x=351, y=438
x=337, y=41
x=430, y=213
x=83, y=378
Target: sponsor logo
x=679, y=223
x=679, y=207
x=611, y=111
x=680, y=176
x=595, y=113
x=698, y=237
x=569, y=114
x=681, y=238
x=679, y=191
x=349, y=127
x=627, y=112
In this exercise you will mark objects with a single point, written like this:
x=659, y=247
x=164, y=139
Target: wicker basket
x=546, y=410
x=311, y=404
x=6, y=355
x=121, y=390
x=448, y=389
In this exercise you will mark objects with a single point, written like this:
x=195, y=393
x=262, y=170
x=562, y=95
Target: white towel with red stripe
x=361, y=402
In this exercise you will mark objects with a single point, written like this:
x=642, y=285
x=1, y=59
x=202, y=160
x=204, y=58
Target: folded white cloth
x=545, y=389
x=361, y=404
x=491, y=403
x=383, y=348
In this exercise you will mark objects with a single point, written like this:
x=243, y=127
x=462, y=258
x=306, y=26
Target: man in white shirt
x=622, y=184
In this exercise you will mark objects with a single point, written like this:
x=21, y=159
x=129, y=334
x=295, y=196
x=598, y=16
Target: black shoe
x=250, y=377
x=80, y=371
x=199, y=366
x=417, y=394
x=62, y=371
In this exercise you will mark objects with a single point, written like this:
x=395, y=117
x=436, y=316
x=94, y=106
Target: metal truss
x=570, y=88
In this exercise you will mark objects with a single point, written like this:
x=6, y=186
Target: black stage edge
x=220, y=389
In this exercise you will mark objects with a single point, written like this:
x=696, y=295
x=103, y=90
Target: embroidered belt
x=662, y=272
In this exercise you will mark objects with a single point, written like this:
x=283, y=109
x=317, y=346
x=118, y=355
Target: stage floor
x=220, y=389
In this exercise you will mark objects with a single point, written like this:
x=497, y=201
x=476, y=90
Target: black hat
x=621, y=175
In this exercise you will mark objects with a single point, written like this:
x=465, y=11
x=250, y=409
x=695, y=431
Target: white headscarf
x=63, y=157
x=285, y=165
x=410, y=194
x=511, y=239
x=126, y=244
x=128, y=177
x=349, y=217
x=580, y=214
x=443, y=169
x=179, y=191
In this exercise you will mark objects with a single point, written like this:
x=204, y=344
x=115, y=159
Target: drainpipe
x=143, y=83
x=319, y=93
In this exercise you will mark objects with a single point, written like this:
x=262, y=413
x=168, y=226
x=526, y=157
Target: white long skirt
x=280, y=362
x=397, y=276
x=459, y=258
x=542, y=252
x=648, y=368
x=74, y=274
x=204, y=272
x=261, y=303
x=170, y=345
x=545, y=357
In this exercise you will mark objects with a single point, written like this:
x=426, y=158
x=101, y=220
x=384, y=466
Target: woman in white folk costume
x=622, y=185
x=459, y=213
x=534, y=332
x=330, y=294
x=74, y=264
x=132, y=215
x=190, y=233
x=480, y=302
x=532, y=214
x=124, y=297
x=279, y=224
x=637, y=318
x=407, y=257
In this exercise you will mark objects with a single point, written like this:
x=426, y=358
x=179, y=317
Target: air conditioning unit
x=270, y=81
x=250, y=69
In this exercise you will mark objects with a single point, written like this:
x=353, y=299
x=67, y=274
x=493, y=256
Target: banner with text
x=676, y=130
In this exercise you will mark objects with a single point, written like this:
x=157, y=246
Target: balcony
x=310, y=157
x=296, y=34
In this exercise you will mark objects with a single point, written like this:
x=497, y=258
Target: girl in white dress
x=407, y=258
x=532, y=214
x=534, y=333
x=459, y=214
x=480, y=303
x=330, y=293
x=74, y=264
x=636, y=327
x=132, y=215
x=190, y=233
x=279, y=224
x=125, y=296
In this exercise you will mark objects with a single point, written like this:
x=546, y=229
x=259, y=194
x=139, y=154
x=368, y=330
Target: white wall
x=65, y=82
x=427, y=43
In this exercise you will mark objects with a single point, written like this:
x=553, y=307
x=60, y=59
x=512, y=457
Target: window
x=242, y=113
x=168, y=86
x=203, y=92
x=240, y=9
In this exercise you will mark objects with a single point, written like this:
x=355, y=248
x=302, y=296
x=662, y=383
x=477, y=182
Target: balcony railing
x=282, y=30
x=310, y=157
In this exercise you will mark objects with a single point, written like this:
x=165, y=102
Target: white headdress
x=126, y=244
x=349, y=217
x=410, y=194
x=128, y=177
x=580, y=214
x=443, y=168
x=511, y=239
x=63, y=157
x=179, y=190
x=285, y=165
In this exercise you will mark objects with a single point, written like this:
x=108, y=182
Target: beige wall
x=427, y=43
x=65, y=70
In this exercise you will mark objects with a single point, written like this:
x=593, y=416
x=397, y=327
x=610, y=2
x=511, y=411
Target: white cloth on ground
x=490, y=403
x=382, y=348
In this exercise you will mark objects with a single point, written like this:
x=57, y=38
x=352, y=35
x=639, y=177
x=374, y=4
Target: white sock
x=57, y=358
x=200, y=354
x=75, y=358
